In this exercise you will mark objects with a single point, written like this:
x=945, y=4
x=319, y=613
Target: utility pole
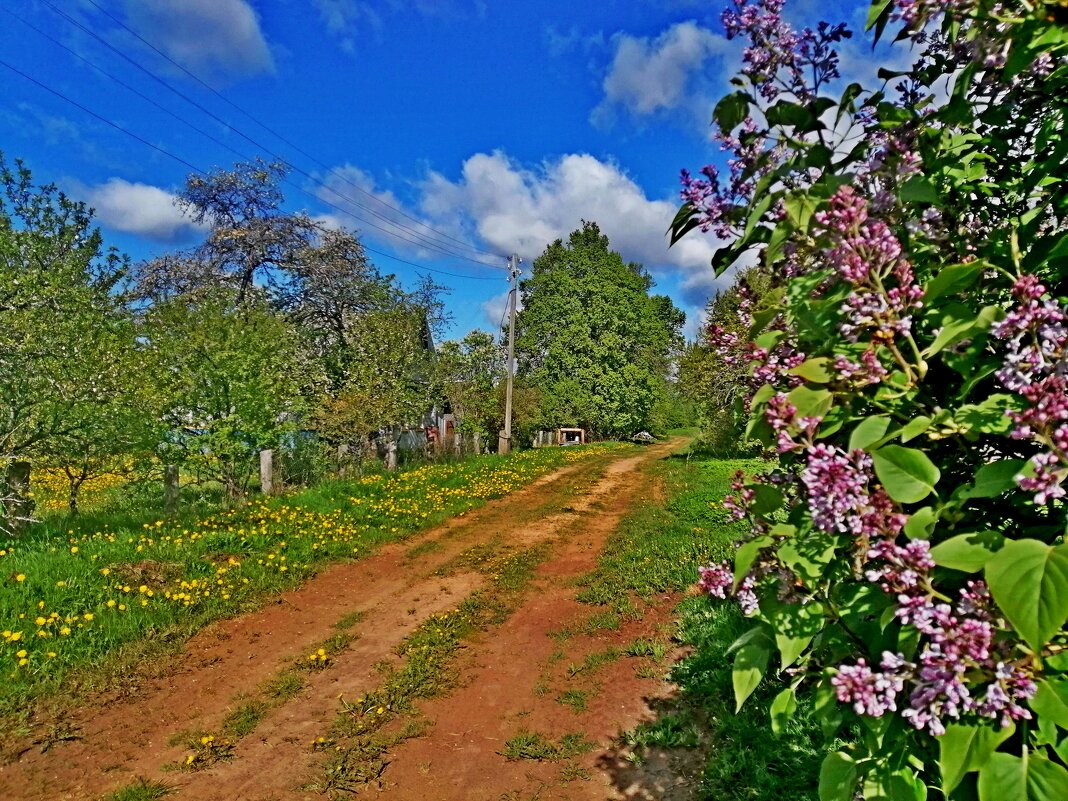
x=504, y=445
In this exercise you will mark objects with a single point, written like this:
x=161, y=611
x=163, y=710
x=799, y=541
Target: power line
x=271, y=131
x=104, y=120
x=199, y=171
x=126, y=86
x=421, y=240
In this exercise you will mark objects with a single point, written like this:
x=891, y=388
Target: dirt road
x=545, y=677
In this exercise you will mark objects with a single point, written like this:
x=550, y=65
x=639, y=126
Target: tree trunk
x=391, y=453
x=72, y=500
x=343, y=460
x=171, y=489
x=17, y=504
x=231, y=486
x=75, y=480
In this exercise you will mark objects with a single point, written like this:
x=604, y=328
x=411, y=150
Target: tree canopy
x=592, y=338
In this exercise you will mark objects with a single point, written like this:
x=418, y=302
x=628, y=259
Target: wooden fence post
x=267, y=472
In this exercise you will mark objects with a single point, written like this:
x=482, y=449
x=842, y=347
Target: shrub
x=906, y=562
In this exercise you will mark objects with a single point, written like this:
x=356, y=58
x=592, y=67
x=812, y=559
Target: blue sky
x=499, y=124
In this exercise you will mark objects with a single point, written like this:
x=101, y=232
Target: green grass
x=592, y=662
x=657, y=549
x=659, y=546
x=576, y=699
x=671, y=730
x=90, y=599
x=651, y=647
x=140, y=790
x=538, y=747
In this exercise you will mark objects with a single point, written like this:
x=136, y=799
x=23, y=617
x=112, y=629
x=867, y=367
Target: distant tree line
x=275, y=332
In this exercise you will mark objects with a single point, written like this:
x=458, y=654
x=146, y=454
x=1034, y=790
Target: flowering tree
x=906, y=562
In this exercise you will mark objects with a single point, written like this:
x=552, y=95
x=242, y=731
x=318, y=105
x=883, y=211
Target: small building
x=559, y=437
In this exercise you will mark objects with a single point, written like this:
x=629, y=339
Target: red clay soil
x=503, y=680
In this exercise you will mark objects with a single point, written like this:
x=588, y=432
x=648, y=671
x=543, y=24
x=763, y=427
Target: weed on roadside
x=651, y=647
x=673, y=730
x=349, y=620
x=242, y=719
x=141, y=790
x=204, y=751
x=576, y=699
x=538, y=747
x=592, y=662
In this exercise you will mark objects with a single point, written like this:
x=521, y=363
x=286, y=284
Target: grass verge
x=657, y=549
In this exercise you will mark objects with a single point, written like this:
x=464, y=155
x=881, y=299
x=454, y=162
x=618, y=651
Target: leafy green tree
x=470, y=372
x=592, y=338
x=389, y=378
x=64, y=334
x=234, y=378
x=715, y=372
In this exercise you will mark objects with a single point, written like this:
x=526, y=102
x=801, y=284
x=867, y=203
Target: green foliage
x=538, y=747
x=592, y=338
x=141, y=790
x=233, y=381
x=905, y=563
x=470, y=373
x=714, y=386
x=69, y=387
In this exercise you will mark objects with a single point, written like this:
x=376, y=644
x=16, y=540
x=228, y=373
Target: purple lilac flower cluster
x=1035, y=367
x=791, y=433
x=913, y=11
x=868, y=371
x=836, y=483
x=738, y=504
x=867, y=254
x=770, y=365
x=958, y=651
x=779, y=58
x=717, y=579
x=959, y=647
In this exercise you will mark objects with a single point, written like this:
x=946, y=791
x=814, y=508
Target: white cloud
x=140, y=209
x=494, y=310
x=520, y=209
x=345, y=20
x=352, y=193
x=213, y=38
x=654, y=75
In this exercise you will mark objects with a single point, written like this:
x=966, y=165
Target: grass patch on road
x=538, y=747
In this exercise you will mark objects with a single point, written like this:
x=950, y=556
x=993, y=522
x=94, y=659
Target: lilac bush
x=906, y=568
